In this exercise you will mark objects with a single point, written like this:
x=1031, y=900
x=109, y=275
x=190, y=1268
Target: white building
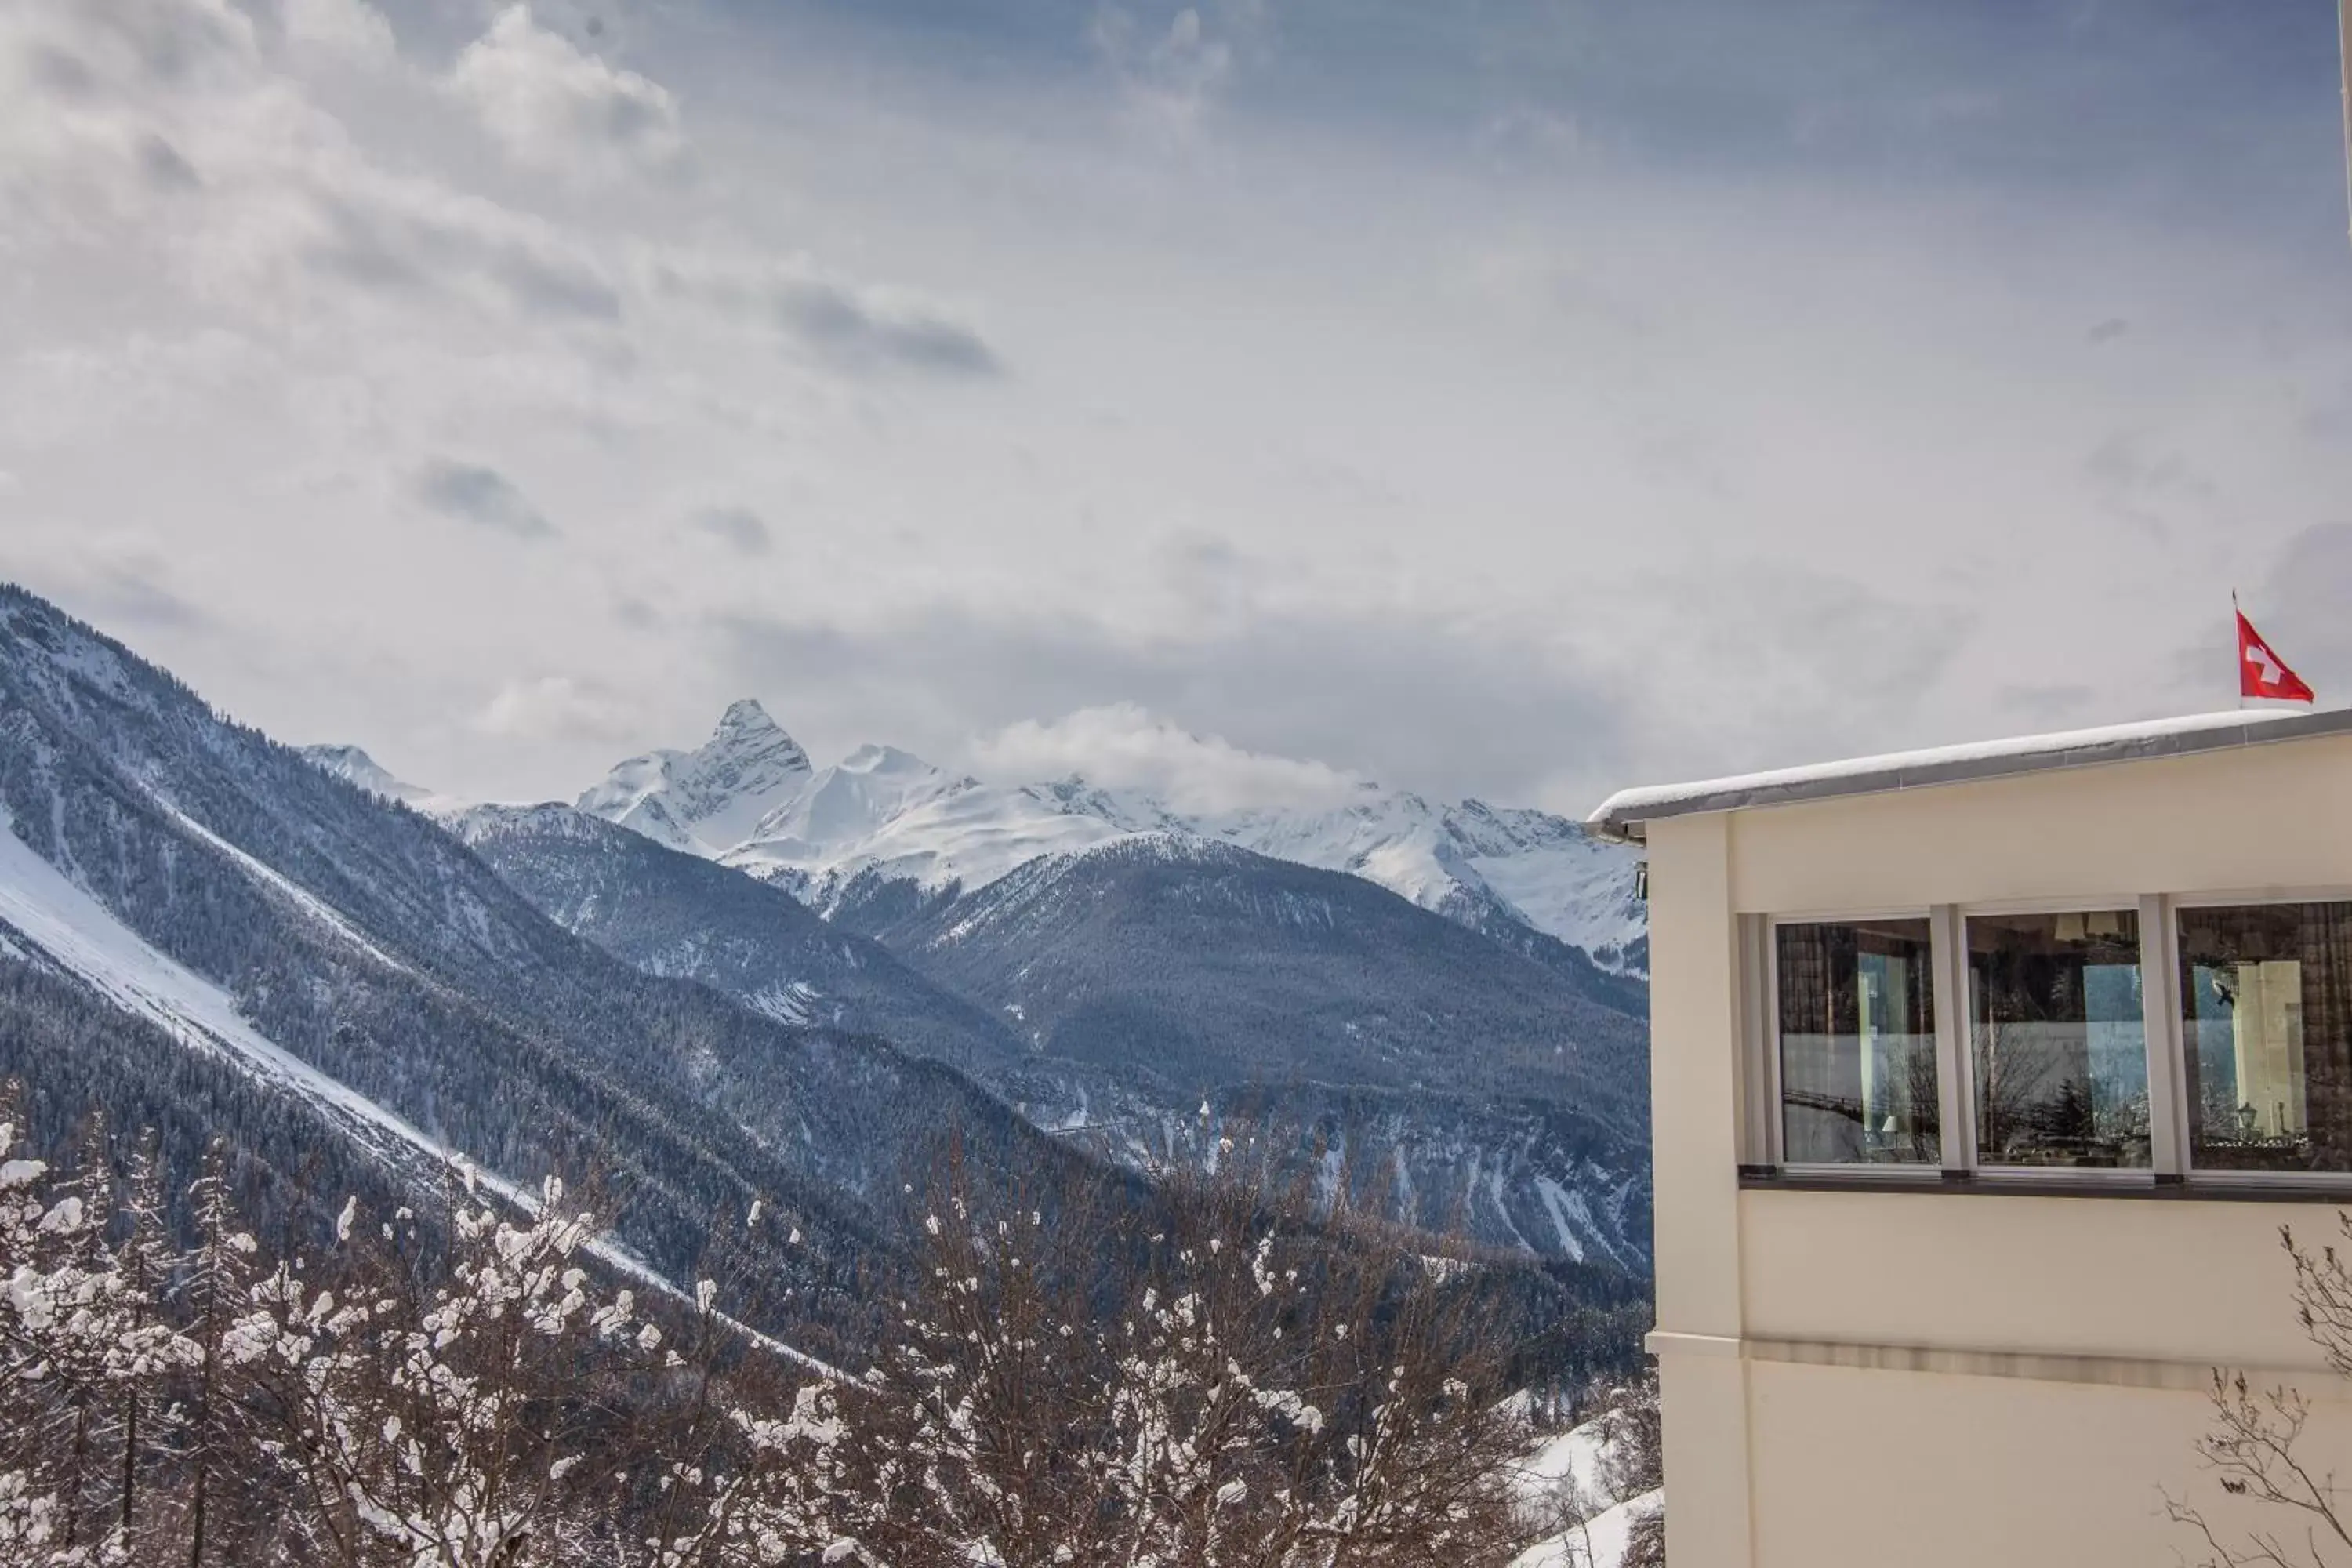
x=1983, y=1080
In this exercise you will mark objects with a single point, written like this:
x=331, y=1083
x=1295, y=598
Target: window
x=1857, y=1038
x=2266, y=1030
x=2058, y=1039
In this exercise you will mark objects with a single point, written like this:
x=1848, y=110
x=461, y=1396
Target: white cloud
x=556, y=108
x=1469, y=458
x=1170, y=75
x=549, y=708
x=348, y=30
x=1121, y=746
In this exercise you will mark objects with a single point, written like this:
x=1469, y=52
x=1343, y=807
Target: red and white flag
x=2261, y=672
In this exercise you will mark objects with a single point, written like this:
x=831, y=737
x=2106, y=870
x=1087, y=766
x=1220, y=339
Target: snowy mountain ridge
x=749, y=798
x=710, y=799
x=354, y=766
x=1469, y=861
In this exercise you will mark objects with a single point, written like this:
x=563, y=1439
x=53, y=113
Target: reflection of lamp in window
x=2070, y=928
x=2103, y=923
x=1869, y=984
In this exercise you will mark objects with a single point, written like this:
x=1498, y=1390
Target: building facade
x=1983, y=1082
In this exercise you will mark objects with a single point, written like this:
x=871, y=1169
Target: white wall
x=1926, y=1378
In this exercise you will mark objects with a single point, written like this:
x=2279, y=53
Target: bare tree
x=1232, y=1375
x=2252, y=1448
x=1227, y=1372
x=215, y=1287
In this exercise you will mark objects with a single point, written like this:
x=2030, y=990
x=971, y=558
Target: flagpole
x=2344, y=43
x=2235, y=614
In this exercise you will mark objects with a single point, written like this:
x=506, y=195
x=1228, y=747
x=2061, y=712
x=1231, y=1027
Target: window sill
x=2100, y=1184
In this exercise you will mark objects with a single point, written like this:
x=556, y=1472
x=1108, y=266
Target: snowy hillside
x=57, y=921
x=748, y=797
x=887, y=812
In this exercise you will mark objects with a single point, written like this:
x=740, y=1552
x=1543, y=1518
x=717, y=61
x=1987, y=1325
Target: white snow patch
x=1574, y=1456
x=1571, y=1216
x=1599, y=1542
x=1571, y=1465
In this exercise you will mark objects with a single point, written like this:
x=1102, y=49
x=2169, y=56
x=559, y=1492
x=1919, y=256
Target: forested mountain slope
x=677, y=914
x=1129, y=989
x=381, y=957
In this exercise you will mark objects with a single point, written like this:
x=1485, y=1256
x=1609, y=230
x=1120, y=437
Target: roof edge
x=1621, y=816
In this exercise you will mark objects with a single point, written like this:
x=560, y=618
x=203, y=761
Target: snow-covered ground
x=1599, y=1542
x=82, y=937
x=1570, y=1468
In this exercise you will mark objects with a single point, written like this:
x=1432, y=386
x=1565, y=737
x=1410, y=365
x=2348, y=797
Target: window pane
x=2266, y=1023
x=2059, y=1038
x=1857, y=1044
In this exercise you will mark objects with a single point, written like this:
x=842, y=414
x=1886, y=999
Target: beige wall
x=1911, y=1470
x=2260, y=816
x=1933, y=1378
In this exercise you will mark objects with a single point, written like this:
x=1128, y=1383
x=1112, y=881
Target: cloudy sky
x=1519, y=397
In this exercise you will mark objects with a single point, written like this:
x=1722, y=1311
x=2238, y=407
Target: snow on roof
x=1622, y=815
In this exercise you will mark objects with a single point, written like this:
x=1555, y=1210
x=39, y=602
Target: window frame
x=2127, y=1178
x=1771, y=1138
x=2227, y=899
x=2171, y=1161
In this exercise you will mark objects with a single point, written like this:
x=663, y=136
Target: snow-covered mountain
x=685, y=917
x=1471, y=862
x=354, y=766
x=1107, y=995
x=713, y=798
x=748, y=797
x=209, y=935
x=888, y=813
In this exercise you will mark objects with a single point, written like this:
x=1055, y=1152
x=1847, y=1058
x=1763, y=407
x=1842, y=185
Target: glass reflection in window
x=1857, y=1026
x=2266, y=1024
x=2059, y=1038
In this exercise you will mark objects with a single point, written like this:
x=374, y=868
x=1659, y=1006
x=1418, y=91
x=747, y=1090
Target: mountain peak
x=708, y=800
x=353, y=765
x=746, y=715
x=747, y=735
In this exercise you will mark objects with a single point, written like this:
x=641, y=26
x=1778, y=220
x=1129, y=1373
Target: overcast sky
x=1509, y=398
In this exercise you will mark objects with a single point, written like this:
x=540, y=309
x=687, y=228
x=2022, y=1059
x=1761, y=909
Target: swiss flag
x=2261, y=672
